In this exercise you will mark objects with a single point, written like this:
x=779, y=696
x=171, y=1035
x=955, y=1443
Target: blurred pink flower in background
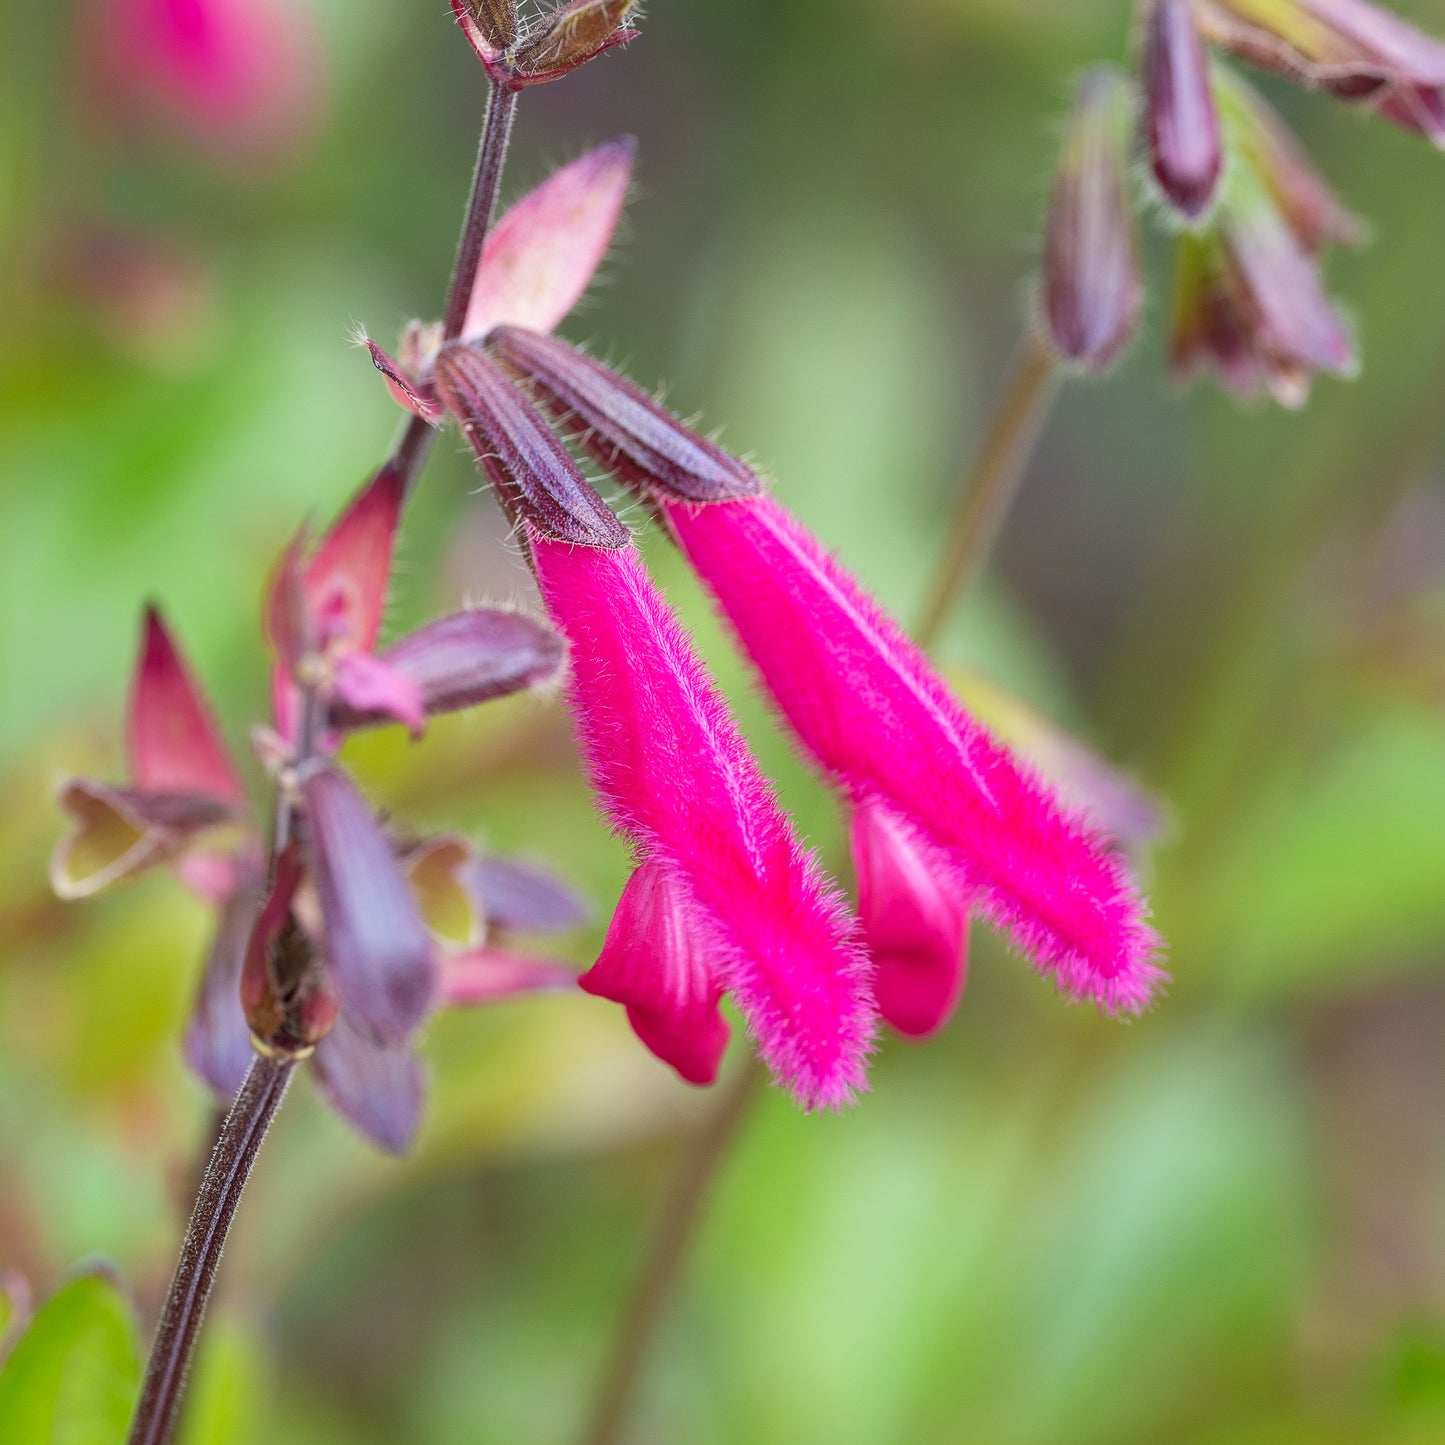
x=236, y=80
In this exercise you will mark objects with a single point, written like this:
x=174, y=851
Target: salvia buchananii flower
x=725, y=898
x=1091, y=289
x=1181, y=120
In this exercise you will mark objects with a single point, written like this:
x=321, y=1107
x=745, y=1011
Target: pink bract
x=541, y=256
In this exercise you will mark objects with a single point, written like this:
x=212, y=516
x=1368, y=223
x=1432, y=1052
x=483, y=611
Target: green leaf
x=73, y=1375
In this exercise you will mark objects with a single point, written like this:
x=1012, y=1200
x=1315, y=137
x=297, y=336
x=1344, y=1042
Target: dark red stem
x=235, y=1152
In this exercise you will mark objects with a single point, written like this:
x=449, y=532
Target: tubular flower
x=725, y=899
x=945, y=817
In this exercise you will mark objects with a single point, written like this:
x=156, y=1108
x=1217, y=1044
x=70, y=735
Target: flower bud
x=1181, y=123
x=534, y=477
x=1091, y=286
x=620, y=425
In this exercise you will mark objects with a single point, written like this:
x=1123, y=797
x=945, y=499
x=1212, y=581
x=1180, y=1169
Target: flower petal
x=364, y=685
x=120, y=832
x=487, y=975
x=659, y=961
x=438, y=871
x=866, y=703
x=521, y=897
x=345, y=583
x=378, y=1089
x=541, y=256
x=676, y=776
x=173, y=741
x=915, y=921
x=471, y=657
x=375, y=944
x=218, y=1039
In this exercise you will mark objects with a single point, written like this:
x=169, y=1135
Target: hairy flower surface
x=1181, y=121
x=678, y=778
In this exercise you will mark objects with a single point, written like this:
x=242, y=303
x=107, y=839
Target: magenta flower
x=725, y=899
x=238, y=78
x=948, y=819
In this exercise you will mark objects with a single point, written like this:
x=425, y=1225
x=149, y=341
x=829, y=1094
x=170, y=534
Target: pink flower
x=946, y=818
x=1181, y=120
x=238, y=78
x=725, y=899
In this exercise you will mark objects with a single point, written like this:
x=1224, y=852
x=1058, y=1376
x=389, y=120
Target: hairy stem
x=226, y=1175
x=486, y=183
x=671, y=1244
x=984, y=500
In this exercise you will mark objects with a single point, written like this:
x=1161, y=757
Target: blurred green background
x=1222, y=1223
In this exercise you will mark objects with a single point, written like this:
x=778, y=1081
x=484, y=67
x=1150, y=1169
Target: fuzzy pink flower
x=238, y=78
x=869, y=707
x=724, y=878
x=947, y=818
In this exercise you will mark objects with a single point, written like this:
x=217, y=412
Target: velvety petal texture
x=869, y=707
x=678, y=779
x=915, y=921
x=656, y=961
x=542, y=254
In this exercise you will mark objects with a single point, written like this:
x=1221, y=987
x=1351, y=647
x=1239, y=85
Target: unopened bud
x=1181, y=121
x=1091, y=290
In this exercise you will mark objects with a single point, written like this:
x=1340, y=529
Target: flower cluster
x=1250, y=211
x=724, y=899
x=360, y=931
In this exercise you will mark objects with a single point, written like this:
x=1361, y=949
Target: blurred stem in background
x=984, y=500
x=989, y=491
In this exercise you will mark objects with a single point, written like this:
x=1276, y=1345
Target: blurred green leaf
x=73, y=1375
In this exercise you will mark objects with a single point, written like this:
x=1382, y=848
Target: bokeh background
x=1222, y=1223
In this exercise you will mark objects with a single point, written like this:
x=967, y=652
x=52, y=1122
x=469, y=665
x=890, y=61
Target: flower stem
x=486, y=183
x=984, y=500
x=670, y=1247
x=236, y=1149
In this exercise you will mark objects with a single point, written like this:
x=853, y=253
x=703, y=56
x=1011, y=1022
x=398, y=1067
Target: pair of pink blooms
x=725, y=899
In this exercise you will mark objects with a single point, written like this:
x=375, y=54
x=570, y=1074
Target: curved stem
x=984, y=500
x=236, y=1149
x=671, y=1245
x=486, y=183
